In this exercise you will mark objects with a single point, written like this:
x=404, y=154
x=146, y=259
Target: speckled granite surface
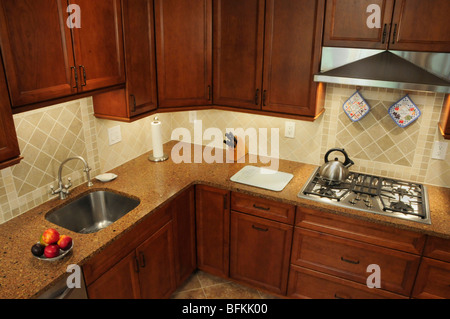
x=24, y=276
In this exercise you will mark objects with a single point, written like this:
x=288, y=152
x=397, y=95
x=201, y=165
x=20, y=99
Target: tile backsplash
x=376, y=144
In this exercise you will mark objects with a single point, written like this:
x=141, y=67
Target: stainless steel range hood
x=419, y=71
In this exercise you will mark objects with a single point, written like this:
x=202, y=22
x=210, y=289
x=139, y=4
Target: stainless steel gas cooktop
x=373, y=194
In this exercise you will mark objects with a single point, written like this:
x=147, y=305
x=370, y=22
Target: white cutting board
x=262, y=177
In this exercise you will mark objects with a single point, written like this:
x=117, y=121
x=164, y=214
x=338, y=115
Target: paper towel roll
x=157, y=139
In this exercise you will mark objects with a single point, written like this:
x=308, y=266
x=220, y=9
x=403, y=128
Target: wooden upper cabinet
x=292, y=55
x=346, y=24
x=9, y=146
x=421, y=26
x=45, y=59
x=140, y=55
x=98, y=44
x=410, y=25
x=184, y=52
x=238, y=52
x=37, y=50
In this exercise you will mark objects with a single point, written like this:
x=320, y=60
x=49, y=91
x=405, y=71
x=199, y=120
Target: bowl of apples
x=52, y=246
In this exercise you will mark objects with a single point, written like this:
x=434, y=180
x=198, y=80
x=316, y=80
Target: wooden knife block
x=238, y=152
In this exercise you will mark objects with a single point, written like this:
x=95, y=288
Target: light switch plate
x=114, y=134
x=289, y=130
x=192, y=116
x=439, y=150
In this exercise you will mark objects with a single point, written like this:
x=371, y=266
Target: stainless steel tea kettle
x=335, y=171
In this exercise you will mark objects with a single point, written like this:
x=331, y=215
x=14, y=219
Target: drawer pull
x=354, y=262
x=259, y=228
x=260, y=207
x=142, y=262
x=336, y=296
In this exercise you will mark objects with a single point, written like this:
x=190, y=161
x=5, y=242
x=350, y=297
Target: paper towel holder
x=162, y=158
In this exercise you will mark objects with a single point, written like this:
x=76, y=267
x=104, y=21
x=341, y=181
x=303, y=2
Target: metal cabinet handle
x=260, y=207
x=209, y=92
x=83, y=69
x=264, y=97
x=76, y=76
x=336, y=296
x=136, y=264
x=257, y=97
x=142, y=260
x=394, y=34
x=134, y=103
x=259, y=228
x=354, y=262
x=384, y=33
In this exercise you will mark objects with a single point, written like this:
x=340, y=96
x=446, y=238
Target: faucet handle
x=69, y=183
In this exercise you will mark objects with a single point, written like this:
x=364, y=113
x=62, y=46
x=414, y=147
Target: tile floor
x=201, y=285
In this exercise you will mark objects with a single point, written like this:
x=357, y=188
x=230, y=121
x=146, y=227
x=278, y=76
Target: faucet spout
x=63, y=190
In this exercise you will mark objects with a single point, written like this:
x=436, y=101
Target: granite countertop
x=24, y=276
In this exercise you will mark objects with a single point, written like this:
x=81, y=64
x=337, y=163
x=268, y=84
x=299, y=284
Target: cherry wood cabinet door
x=98, y=44
x=433, y=280
x=238, y=52
x=292, y=53
x=184, y=52
x=421, y=26
x=119, y=282
x=260, y=252
x=138, y=23
x=346, y=24
x=213, y=229
x=183, y=210
x=37, y=50
x=157, y=265
x=9, y=146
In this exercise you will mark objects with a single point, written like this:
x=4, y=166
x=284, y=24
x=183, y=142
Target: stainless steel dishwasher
x=61, y=291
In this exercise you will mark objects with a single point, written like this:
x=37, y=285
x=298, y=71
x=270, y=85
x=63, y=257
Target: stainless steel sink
x=92, y=212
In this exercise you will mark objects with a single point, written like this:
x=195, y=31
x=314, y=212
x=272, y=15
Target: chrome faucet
x=63, y=190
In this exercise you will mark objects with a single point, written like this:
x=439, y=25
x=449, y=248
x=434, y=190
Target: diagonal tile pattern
x=201, y=285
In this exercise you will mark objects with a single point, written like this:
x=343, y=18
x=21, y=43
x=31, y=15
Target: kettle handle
x=348, y=162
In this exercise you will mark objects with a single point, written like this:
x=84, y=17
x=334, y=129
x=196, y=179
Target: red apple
x=50, y=236
x=65, y=242
x=51, y=251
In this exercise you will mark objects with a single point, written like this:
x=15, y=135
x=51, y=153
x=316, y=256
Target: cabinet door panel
x=346, y=24
x=140, y=55
x=238, y=52
x=433, y=280
x=260, y=251
x=213, y=230
x=421, y=26
x=292, y=56
x=184, y=52
x=9, y=146
x=119, y=282
x=37, y=50
x=157, y=267
x=349, y=259
x=98, y=44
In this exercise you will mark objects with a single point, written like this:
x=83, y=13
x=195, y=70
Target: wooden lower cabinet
x=120, y=282
x=349, y=259
x=150, y=260
x=260, y=252
x=156, y=270
x=433, y=280
x=147, y=272
x=213, y=229
x=309, y=284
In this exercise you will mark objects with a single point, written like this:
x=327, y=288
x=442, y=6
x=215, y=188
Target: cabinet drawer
x=433, y=280
x=360, y=230
x=260, y=251
x=438, y=248
x=349, y=259
x=277, y=211
x=309, y=284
